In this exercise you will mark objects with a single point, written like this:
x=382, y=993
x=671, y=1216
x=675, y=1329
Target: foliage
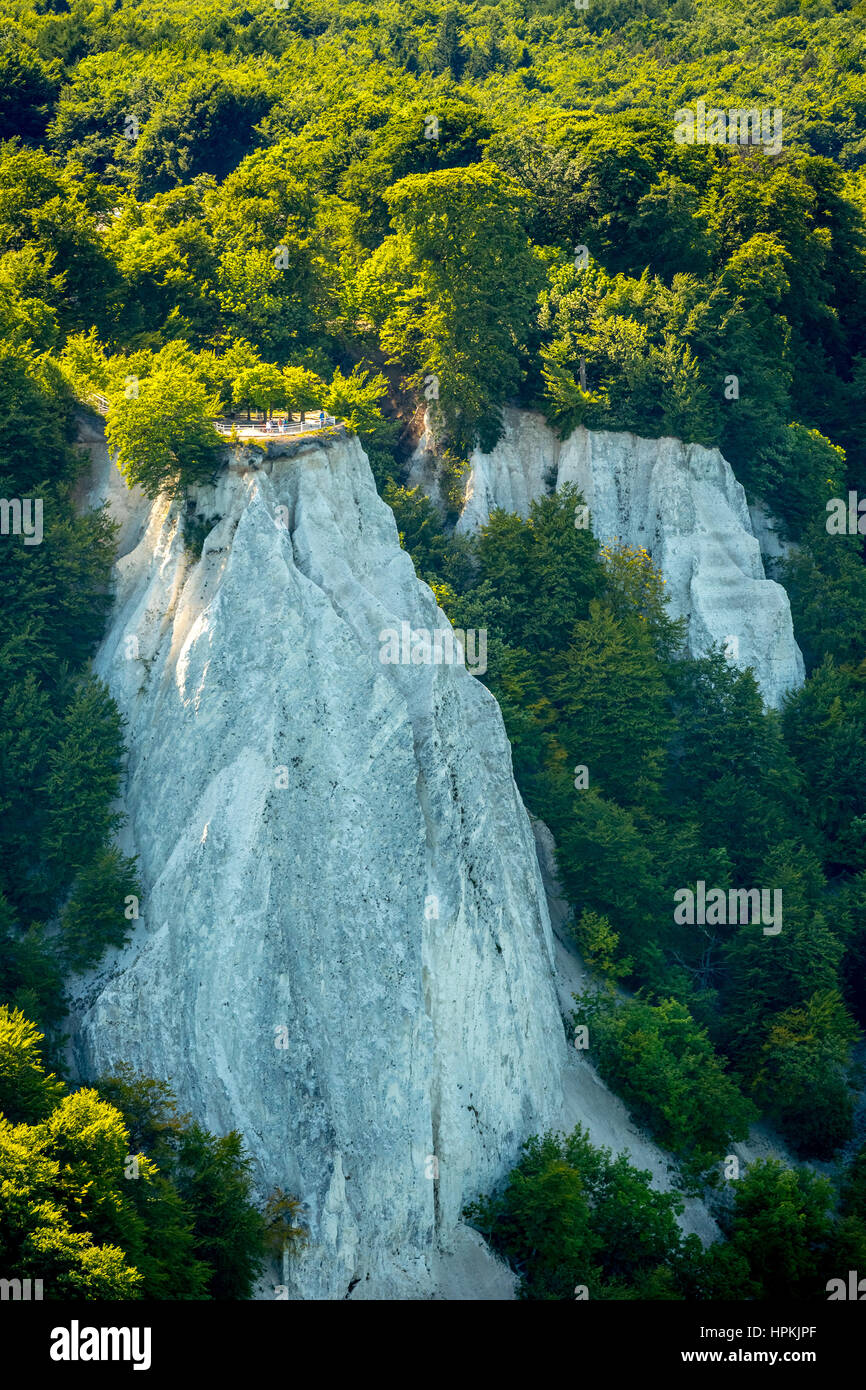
x=781, y=1226
x=261, y=385
x=77, y=1210
x=598, y=942
x=664, y=1067
x=805, y=1073
x=355, y=399
x=111, y=1193
x=98, y=912
x=572, y=1215
x=163, y=436
x=453, y=292
x=60, y=745
x=211, y=1175
x=339, y=209
x=27, y=1093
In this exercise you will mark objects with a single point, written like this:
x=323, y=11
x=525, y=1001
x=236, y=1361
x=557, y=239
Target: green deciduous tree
x=571, y=1215
x=303, y=390
x=261, y=385
x=826, y=580
x=357, y=399
x=781, y=1226
x=205, y=128
x=804, y=1077
x=665, y=1068
x=164, y=436
x=462, y=247
x=27, y=1094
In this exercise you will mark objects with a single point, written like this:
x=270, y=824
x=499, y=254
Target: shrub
x=666, y=1070
x=570, y=1214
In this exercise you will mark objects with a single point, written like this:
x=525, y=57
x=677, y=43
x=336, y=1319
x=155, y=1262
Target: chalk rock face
x=679, y=501
x=344, y=949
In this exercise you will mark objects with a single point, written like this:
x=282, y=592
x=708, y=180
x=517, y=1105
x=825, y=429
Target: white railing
x=102, y=403
x=273, y=430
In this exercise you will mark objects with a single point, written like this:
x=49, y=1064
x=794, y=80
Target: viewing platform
x=281, y=428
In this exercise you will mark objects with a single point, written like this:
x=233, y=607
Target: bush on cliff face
x=575, y=1222
x=666, y=1070
x=92, y=1218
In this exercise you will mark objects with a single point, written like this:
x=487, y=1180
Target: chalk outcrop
x=344, y=948
x=679, y=501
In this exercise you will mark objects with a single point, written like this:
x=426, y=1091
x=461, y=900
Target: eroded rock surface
x=679, y=501
x=344, y=949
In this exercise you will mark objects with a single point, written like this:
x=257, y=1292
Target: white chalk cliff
x=681, y=502
x=344, y=949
